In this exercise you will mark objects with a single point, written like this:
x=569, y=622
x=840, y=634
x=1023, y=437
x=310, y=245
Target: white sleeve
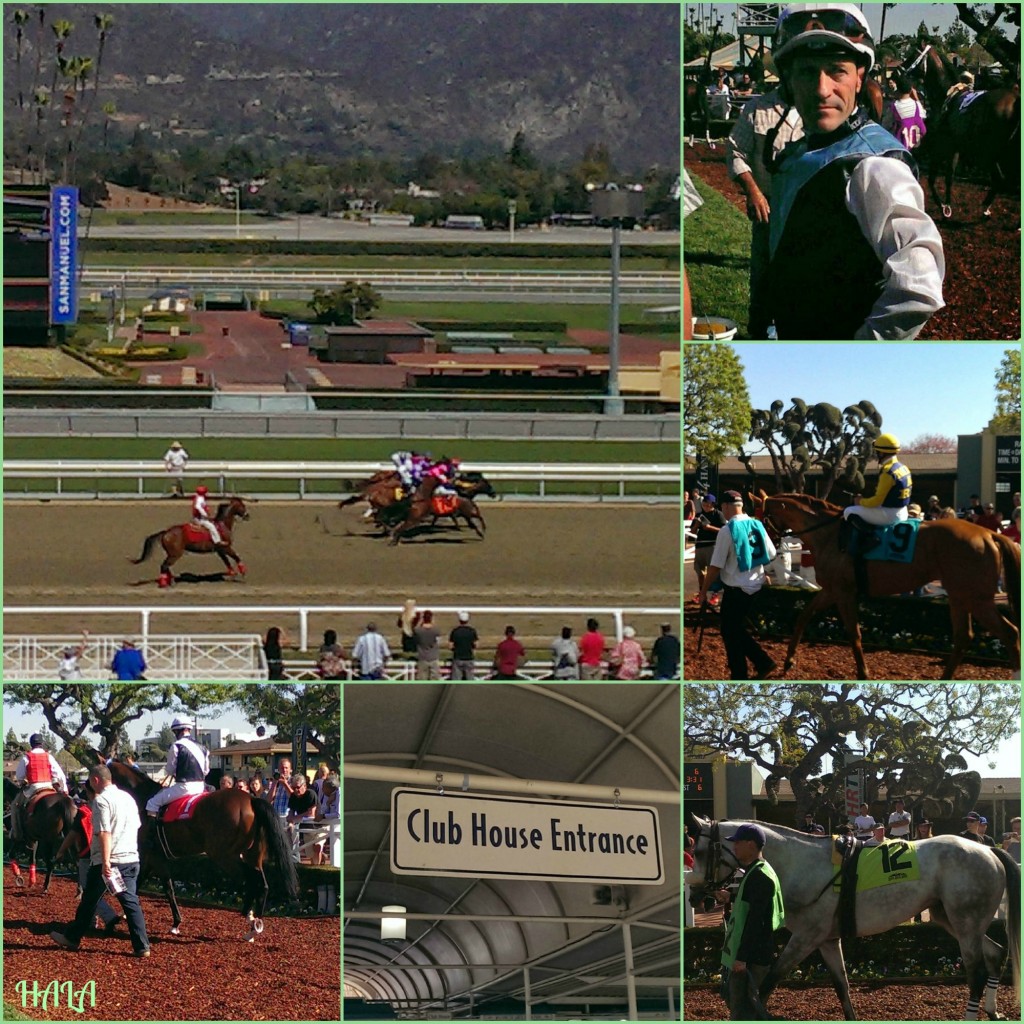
x=58, y=772
x=19, y=772
x=721, y=552
x=172, y=759
x=889, y=206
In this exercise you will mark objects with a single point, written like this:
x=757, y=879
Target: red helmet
x=201, y=490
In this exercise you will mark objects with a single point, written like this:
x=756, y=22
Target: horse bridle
x=799, y=533
x=921, y=57
x=714, y=862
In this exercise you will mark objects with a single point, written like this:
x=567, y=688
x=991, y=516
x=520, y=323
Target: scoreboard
x=697, y=783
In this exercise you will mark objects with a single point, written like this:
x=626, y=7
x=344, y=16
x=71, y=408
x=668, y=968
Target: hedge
x=888, y=623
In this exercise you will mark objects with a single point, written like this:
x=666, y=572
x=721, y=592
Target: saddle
x=180, y=809
x=195, y=534
x=849, y=850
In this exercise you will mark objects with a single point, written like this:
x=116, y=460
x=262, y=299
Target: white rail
x=265, y=615
x=101, y=472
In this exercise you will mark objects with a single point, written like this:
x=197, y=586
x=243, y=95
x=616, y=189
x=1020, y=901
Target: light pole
x=609, y=202
x=512, y=220
x=237, y=189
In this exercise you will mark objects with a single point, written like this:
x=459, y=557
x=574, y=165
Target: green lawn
x=716, y=253
x=112, y=218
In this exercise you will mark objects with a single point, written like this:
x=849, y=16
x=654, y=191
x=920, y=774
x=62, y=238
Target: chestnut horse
x=422, y=507
x=176, y=540
x=238, y=832
x=967, y=558
x=382, y=492
x=49, y=817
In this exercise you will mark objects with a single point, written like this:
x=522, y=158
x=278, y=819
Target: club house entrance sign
x=501, y=837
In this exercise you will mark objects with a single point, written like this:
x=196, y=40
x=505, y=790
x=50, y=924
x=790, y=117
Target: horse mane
x=221, y=510
x=817, y=505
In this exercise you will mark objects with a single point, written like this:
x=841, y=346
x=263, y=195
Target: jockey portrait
x=188, y=763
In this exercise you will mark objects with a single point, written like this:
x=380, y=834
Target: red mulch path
x=822, y=661
x=871, y=1001
x=982, y=283
x=208, y=973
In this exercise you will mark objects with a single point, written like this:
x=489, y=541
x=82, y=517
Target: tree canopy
x=716, y=404
x=911, y=736
x=1007, y=415
x=343, y=306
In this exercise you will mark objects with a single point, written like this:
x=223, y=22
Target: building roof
x=362, y=328
x=264, y=746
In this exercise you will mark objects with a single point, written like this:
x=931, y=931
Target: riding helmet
x=823, y=27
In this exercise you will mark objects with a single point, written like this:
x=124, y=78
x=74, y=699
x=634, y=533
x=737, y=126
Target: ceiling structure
x=469, y=939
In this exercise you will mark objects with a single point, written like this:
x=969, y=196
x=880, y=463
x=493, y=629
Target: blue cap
x=754, y=832
x=709, y=497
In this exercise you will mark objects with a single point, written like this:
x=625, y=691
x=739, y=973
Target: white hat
x=180, y=723
x=463, y=616
x=175, y=444
x=628, y=631
x=822, y=26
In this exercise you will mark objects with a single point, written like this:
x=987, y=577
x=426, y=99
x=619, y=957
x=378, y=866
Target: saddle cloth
x=182, y=808
x=195, y=534
x=968, y=98
x=895, y=860
x=444, y=504
x=897, y=542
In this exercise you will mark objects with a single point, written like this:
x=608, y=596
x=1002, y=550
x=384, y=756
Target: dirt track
x=315, y=553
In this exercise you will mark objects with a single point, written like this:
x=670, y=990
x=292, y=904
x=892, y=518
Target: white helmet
x=823, y=26
x=180, y=723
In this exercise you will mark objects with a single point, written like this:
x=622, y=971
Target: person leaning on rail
x=853, y=255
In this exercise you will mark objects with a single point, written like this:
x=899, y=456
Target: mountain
x=391, y=79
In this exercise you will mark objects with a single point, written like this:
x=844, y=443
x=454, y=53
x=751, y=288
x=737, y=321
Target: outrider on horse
x=49, y=817
x=238, y=832
x=176, y=540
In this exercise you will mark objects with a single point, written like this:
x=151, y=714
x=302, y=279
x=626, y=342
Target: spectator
x=328, y=809
x=948, y=513
x=463, y=640
x=372, y=652
x=256, y=787
x=1011, y=840
x=322, y=771
x=688, y=853
x=864, y=823
x=565, y=656
x=691, y=505
x=509, y=657
x=242, y=784
x=877, y=835
x=974, y=509
x=226, y=782
x=934, y=509
x=899, y=821
x=711, y=520
x=272, y=652
x=914, y=511
x=905, y=116
x=330, y=662
x=128, y=664
x=591, y=651
x=114, y=845
x=80, y=840
x=175, y=461
x=407, y=622
x=301, y=803
x=744, y=87
x=280, y=788
x=808, y=825
x=922, y=830
x=974, y=830
x=627, y=657
x=665, y=654
x=1013, y=530
x=428, y=648
x=69, y=668
x=990, y=518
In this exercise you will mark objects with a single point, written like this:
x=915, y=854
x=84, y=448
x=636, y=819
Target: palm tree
x=76, y=70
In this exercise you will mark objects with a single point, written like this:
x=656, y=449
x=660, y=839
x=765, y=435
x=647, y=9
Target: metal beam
x=526, y=787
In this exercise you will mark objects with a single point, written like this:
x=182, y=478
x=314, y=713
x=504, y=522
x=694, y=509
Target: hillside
x=391, y=79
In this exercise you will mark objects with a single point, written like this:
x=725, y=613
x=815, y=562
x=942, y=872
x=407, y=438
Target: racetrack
x=76, y=553
x=208, y=972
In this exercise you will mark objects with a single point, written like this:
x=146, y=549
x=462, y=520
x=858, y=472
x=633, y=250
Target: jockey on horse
x=892, y=494
x=188, y=763
x=201, y=515
x=411, y=468
x=41, y=773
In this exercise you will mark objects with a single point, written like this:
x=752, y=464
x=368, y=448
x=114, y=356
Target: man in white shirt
x=175, y=461
x=899, y=821
x=864, y=823
x=742, y=550
x=372, y=652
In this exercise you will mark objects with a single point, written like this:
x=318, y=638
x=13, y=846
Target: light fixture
x=392, y=929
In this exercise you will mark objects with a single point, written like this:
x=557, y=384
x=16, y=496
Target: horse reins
x=800, y=533
x=921, y=57
x=714, y=862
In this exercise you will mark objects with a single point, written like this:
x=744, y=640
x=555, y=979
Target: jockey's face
x=824, y=89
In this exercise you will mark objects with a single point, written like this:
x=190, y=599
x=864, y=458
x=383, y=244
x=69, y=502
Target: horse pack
x=897, y=542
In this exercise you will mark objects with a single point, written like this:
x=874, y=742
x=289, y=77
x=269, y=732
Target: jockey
x=403, y=467
x=420, y=466
x=201, y=514
x=39, y=771
x=892, y=496
x=188, y=762
x=445, y=470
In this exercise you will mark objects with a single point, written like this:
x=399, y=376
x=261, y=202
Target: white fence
x=56, y=472
x=227, y=657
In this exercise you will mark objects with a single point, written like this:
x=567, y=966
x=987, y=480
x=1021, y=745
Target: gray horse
x=961, y=884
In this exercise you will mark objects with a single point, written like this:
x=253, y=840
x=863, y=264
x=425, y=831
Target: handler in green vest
x=757, y=913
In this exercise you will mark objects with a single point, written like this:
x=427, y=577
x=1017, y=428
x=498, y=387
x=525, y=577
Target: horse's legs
x=175, y=913
x=49, y=868
x=822, y=599
x=832, y=953
x=985, y=973
x=988, y=616
x=226, y=551
x=798, y=949
x=954, y=159
x=847, y=606
x=962, y=634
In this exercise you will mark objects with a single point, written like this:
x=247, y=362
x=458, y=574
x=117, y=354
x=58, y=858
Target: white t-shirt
x=724, y=558
x=899, y=824
x=864, y=823
x=175, y=459
x=114, y=811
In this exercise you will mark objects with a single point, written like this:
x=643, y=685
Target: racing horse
x=238, y=832
x=425, y=504
x=967, y=558
x=176, y=540
x=49, y=817
x=960, y=883
x=384, y=493
x=987, y=128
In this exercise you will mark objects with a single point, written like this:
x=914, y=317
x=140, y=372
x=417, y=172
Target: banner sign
x=457, y=834
x=853, y=796
x=63, y=254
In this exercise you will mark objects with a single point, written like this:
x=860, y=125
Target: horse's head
x=714, y=862
x=235, y=508
x=797, y=512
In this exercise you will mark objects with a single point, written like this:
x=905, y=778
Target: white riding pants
x=880, y=516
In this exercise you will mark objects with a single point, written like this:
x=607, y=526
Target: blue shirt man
x=128, y=663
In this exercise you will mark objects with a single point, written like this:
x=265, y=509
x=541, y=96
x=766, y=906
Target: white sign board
x=473, y=836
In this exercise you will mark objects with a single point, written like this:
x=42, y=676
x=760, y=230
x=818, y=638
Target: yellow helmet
x=886, y=443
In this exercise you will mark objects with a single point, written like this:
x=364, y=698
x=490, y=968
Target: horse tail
x=1012, y=869
x=269, y=824
x=68, y=814
x=147, y=547
x=1011, y=570
x=351, y=501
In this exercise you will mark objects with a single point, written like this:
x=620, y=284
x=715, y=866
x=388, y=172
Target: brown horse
x=238, y=832
x=423, y=507
x=176, y=540
x=49, y=817
x=384, y=494
x=987, y=129
x=967, y=558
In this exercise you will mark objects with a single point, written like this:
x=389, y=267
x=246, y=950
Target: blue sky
x=903, y=20
x=919, y=388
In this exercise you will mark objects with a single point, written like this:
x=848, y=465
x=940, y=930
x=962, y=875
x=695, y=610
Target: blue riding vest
x=187, y=768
